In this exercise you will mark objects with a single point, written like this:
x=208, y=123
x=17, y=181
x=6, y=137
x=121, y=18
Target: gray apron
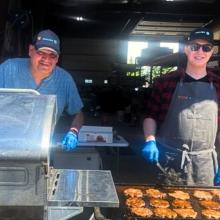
x=186, y=138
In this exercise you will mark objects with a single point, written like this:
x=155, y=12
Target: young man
x=183, y=114
x=40, y=72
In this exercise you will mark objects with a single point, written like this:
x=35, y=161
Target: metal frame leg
x=61, y=213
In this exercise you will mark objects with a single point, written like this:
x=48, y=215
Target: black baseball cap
x=201, y=33
x=47, y=39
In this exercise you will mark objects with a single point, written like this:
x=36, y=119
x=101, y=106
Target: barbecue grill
x=29, y=187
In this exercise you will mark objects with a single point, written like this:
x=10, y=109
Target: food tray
x=125, y=211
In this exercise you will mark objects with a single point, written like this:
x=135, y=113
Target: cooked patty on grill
x=155, y=193
x=132, y=192
x=178, y=203
x=135, y=202
x=209, y=213
x=178, y=194
x=202, y=195
x=186, y=213
x=216, y=193
x=143, y=212
x=209, y=204
x=164, y=213
x=159, y=203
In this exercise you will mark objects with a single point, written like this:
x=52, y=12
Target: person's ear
x=30, y=51
x=186, y=49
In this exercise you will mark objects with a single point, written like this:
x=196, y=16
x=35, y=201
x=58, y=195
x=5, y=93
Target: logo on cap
x=202, y=32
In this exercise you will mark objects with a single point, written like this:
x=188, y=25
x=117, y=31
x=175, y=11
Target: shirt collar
x=182, y=72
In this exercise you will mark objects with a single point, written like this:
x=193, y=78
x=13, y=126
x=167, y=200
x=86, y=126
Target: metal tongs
x=165, y=173
x=170, y=176
x=161, y=168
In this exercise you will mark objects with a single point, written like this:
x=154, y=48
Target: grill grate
x=125, y=213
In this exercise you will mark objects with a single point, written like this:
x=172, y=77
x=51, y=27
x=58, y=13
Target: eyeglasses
x=52, y=56
x=205, y=47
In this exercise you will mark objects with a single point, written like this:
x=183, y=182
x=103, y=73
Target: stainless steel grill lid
x=26, y=124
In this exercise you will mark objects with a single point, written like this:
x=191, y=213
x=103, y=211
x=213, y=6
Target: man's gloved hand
x=150, y=151
x=70, y=141
x=217, y=178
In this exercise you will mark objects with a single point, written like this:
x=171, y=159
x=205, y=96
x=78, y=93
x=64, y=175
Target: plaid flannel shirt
x=162, y=92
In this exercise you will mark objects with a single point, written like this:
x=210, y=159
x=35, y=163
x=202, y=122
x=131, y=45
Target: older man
x=40, y=72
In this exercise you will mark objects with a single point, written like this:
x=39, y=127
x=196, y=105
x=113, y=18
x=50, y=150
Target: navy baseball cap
x=201, y=33
x=47, y=39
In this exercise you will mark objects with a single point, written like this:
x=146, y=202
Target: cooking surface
x=124, y=211
x=88, y=188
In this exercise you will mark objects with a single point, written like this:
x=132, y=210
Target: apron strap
x=186, y=153
x=214, y=155
x=185, y=156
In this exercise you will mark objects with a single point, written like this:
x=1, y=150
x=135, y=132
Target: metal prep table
x=86, y=156
x=30, y=189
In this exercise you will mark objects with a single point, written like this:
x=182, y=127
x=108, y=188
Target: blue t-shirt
x=15, y=73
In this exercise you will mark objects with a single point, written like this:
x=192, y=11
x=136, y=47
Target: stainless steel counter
x=88, y=188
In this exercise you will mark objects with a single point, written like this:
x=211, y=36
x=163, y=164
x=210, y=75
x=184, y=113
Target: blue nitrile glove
x=150, y=151
x=70, y=141
x=217, y=178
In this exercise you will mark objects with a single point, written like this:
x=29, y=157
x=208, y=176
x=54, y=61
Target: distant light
x=79, y=18
x=88, y=81
x=136, y=89
x=134, y=50
x=169, y=0
x=105, y=81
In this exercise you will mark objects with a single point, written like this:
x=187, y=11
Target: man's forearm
x=77, y=122
x=150, y=128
